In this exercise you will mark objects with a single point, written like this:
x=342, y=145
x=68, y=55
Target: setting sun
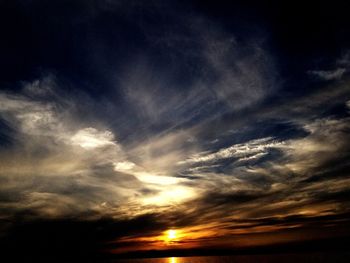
x=171, y=234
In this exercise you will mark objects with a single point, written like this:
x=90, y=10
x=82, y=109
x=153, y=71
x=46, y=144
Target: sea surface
x=295, y=258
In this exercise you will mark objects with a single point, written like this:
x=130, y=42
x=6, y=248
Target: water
x=286, y=258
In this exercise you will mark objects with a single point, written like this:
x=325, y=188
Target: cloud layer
x=197, y=130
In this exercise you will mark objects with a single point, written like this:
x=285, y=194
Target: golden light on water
x=172, y=260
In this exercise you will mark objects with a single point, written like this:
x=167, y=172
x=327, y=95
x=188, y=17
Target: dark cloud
x=70, y=239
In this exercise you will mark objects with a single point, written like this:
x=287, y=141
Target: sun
x=172, y=234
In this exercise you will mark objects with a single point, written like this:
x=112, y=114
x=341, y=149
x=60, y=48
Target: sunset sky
x=143, y=125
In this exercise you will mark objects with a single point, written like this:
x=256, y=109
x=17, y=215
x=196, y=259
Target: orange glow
x=188, y=237
x=192, y=237
x=171, y=234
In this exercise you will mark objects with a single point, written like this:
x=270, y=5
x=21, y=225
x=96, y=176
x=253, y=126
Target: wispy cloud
x=336, y=72
x=243, y=151
x=239, y=77
x=328, y=74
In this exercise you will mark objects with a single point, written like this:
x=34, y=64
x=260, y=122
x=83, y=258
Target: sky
x=226, y=122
